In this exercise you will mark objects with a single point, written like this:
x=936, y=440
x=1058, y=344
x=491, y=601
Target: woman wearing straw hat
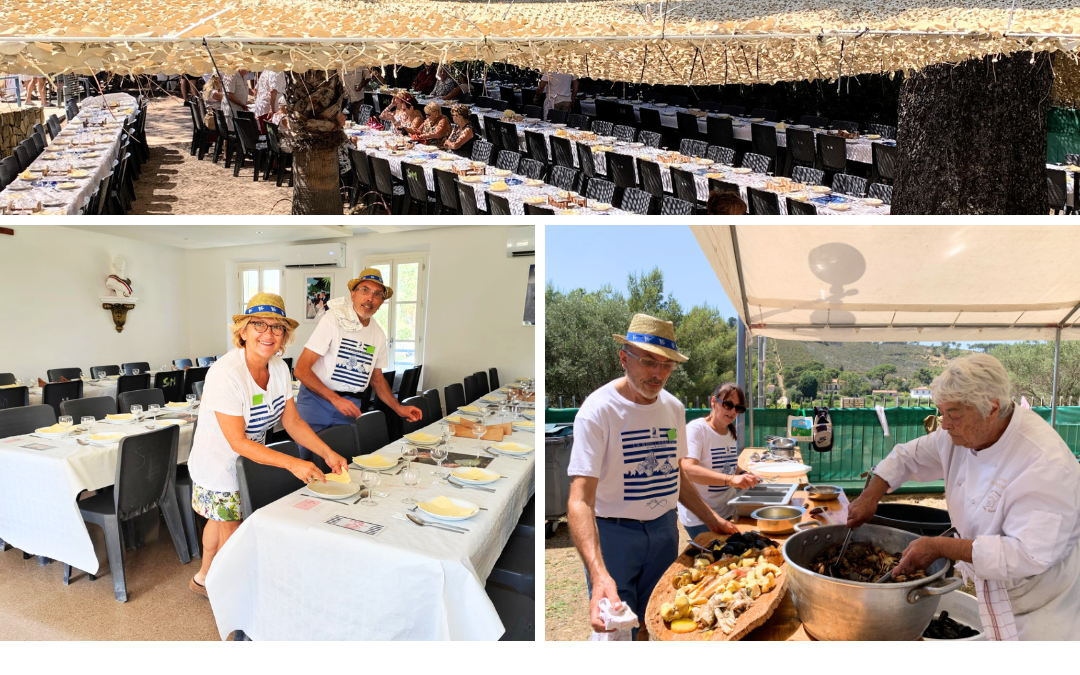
x=344, y=356
x=246, y=393
x=629, y=437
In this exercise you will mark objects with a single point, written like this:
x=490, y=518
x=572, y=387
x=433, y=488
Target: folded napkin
x=373, y=460
x=421, y=437
x=469, y=408
x=175, y=423
x=41, y=382
x=454, y=419
x=54, y=429
x=174, y=404
x=525, y=424
x=123, y=416
x=442, y=506
x=475, y=474
x=104, y=437
x=9, y=386
x=339, y=478
x=511, y=446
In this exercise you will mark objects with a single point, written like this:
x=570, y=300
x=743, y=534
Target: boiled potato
x=683, y=626
x=682, y=605
x=668, y=612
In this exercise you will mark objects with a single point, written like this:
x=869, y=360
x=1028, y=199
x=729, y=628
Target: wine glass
x=411, y=478
x=439, y=454
x=82, y=374
x=409, y=452
x=164, y=368
x=66, y=421
x=136, y=411
x=191, y=398
x=479, y=428
x=134, y=371
x=371, y=479
x=154, y=409
x=88, y=422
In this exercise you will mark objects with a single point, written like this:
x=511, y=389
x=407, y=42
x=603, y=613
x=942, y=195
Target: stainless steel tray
x=764, y=494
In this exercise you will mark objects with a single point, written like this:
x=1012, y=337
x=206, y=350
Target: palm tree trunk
x=314, y=100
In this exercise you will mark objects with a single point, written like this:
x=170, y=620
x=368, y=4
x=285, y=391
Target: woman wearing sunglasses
x=711, y=462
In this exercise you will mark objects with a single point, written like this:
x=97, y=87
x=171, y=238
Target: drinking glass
x=409, y=452
x=134, y=371
x=99, y=375
x=18, y=382
x=136, y=411
x=371, y=479
x=66, y=421
x=164, y=368
x=154, y=409
x=82, y=374
x=191, y=398
x=439, y=454
x=88, y=422
x=411, y=478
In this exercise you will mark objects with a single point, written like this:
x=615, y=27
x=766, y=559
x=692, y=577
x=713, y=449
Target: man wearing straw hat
x=344, y=356
x=628, y=439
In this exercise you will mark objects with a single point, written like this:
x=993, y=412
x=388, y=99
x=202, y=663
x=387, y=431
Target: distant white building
x=920, y=392
x=770, y=389
x=831, y=388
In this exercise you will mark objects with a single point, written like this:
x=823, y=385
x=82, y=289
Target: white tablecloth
x=39, y=513
x=91, y=388
x=59, y=201
x=286, y=575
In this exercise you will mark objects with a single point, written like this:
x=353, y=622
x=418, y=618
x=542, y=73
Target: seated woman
x=247, y=392
x=460, y=140
x=435, y=128
x=446, y=87
x=402, y=113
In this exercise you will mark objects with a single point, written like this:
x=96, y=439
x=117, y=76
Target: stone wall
x=16, y=125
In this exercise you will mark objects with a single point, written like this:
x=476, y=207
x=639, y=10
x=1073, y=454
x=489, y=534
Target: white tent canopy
x=900, y=283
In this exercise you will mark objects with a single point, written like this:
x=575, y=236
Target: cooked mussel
x=683, y=578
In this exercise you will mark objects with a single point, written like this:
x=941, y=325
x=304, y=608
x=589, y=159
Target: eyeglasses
x=728, y=405
x=364, y=290
x=669, y=366
x=261, y=326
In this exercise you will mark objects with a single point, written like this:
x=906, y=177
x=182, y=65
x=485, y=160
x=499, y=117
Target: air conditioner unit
x=521, y=242
x=315, y=255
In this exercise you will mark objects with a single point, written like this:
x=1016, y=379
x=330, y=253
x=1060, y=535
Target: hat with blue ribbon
x=372, y=274
x=653, y=335
x=266, y=305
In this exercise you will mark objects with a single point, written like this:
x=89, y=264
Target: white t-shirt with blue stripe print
x=348, y=358
x=231, y=390
x=718, y=452
x=634, y=451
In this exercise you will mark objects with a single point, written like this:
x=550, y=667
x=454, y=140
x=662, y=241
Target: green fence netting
x=1062, y=133
x=859, y=442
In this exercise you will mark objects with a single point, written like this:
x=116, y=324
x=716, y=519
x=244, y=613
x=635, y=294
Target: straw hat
x=372, y=274
x=266, y=305
x=653, y=335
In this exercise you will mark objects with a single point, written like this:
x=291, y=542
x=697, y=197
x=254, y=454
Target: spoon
x=423, y=523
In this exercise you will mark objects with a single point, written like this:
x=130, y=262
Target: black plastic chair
x=409, y=380
x=883, y=130
x=651, y=179
x=808, y=175
x=636, y=201
x=171, y=385
x=9, y=170
x=756, y=163
x=7, y=378
x=145, y=475
x=472, y=388
x=509, y=160
x=363, y=182
x=801, y=148
x=516, y=611
x=497, y=205
x=226, y=139
x=762, y=202
x=732, y=110
x=200, y=134
x=417, y=190
x=693, y=147
x=832, y=152
x=673, y=206
x=262, y=484
x=104, y=370
x=129, y=368
x=276, y=152
x=562, y=153
x=54, y=374
x=620, y=170
x=602, y=127
x=25, y=419
x=248, y=134
x=769, y=115
x=434, y=405
x=391, y=190
x=342, y=440
x=143, y=397
x=508, y=135
x=557, y=116
x=688, y=126
x=814, y=121
x=191, y=376
x=14, y=397
x=467, y=200
x=98, y=407
x=537, y=146
x=55, y=393
x=651, y=139
x=563, y=177
x=481, y=378
x=371, y=432
x=408, y=427
x=537, y=210
x=798, y=208
x=852, y=127
x=481, y=151
x=883, y=163
x=586, y=162
x=24, y=154
x=721, y=154
x=455, y=397
x=534, y=111
x=515, y=569
x=849, y=185
x=601, y=190
x=724, y=186
x=182, y=363
x=493, y=379
x=879, y=191
x=531, y=168
x=447, y=190
x=128, y=383
x=683, y=185
x=625, y=133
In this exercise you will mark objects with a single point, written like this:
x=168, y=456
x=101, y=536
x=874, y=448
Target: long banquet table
x=95, y=159
x=286, y=574
x=520, y=186
x=40, y=485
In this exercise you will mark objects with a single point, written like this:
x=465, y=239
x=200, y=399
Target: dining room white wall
x=51, y=279
x=476, y=297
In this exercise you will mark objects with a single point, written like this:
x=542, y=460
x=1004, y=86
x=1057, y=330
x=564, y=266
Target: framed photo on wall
x=317, y=292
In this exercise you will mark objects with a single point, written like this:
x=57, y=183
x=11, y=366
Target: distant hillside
x=863, y=356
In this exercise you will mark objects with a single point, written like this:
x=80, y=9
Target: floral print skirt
x=223, y=506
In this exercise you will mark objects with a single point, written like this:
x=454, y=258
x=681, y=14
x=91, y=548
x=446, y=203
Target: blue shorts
x=636, y=554
x=319, y=414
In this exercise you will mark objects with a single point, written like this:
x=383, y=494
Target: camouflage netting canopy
x=674, y=42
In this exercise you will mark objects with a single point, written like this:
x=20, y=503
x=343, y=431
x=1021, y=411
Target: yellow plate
x=470, y=179
x=839, y=207
x=874, y=202
x=743, y=170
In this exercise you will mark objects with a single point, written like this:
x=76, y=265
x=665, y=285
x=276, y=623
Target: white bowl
x=962, y=608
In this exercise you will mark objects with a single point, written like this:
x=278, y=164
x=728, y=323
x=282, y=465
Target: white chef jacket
x=1019, y=500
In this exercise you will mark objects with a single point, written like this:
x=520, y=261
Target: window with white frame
x=402, y=316
x=259, y=278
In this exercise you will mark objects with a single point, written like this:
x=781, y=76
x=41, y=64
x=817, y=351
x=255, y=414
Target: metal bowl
x=824, y=493
x=777, y=519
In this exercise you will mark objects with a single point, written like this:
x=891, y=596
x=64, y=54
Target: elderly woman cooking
x=247, y=392
x=435, y=128
x=1013, y=493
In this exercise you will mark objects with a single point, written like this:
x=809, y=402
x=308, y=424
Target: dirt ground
x=566, y=615
x=173, y=182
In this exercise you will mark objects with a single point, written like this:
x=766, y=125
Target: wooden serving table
x=783, y=623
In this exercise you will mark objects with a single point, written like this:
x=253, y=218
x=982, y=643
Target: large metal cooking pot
x=835, y=609
x=922, y=520
x=781, y=446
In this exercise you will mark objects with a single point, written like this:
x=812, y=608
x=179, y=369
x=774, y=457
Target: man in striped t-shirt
x=344, y=356
x=628, y=439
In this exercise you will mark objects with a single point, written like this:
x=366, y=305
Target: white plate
x=466, y=481
x=464, y=503
x=529, y=413
x=332, y=490
x=377, y=468
x=496, y=448
x=171, y=423
x=118, y=422
x=45, y=434
x=778, y=469
x=183, y=406
x=528, y=430
x=105, y=443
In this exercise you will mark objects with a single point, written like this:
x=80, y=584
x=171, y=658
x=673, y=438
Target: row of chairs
x=28, y=150
x=267, y=153
x=173, y=385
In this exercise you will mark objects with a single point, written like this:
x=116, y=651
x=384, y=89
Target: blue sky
x=590, y=256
